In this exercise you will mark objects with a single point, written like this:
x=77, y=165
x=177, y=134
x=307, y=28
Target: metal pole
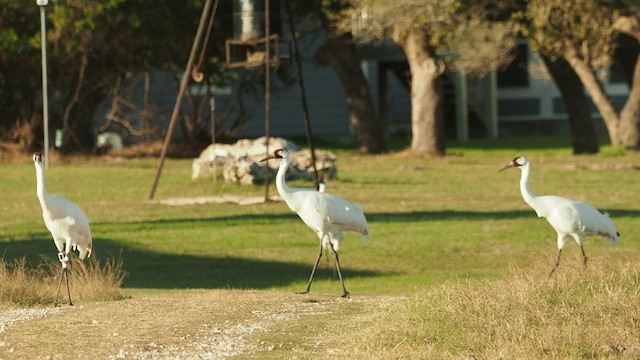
x=45, y=100
x=183, y=85
x=267, y=95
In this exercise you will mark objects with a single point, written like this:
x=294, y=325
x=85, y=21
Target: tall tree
x=584, y=139
x=91, y=43
x=583, y=33
x=340, y=53
x=19, y=72
x=425, y=27
x=629, y=128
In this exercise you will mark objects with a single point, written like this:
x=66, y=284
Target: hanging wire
x=303, y=95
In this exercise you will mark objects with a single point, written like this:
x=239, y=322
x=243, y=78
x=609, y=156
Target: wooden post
x=492, y=106
x=462, y=113
x=206, y=10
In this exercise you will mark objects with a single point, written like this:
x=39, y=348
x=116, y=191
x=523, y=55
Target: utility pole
x=45, y=101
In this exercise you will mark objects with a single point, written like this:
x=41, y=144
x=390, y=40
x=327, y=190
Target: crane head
x=37, y=157
x=278, y=154
x=516, y=162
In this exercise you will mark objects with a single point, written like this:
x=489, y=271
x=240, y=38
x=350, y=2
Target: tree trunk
x=627, y=51
x=427, y=124
x=584, y=139
x=629, y=39
x=629, y=127
x=598, y=95
x=340, y=53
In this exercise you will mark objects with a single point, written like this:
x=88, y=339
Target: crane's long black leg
x=345, y=293
x=55, y=303
x=315, y=266
x=68, y=290
x=584, y=256
x=557, y=262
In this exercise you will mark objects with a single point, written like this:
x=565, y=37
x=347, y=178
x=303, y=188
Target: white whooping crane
x=571, y=219
x=67, y=224
x=326, y=214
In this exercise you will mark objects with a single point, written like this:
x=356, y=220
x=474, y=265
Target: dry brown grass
x=576, y=314
x=22, y=285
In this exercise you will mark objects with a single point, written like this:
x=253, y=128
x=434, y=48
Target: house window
x=517, y=73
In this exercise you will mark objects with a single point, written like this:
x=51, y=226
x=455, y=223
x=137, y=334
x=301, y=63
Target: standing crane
x=571, y=219
x=67, y=224
x=326, y=214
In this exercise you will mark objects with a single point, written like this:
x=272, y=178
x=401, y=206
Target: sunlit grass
x=446, y=233
x=431, y=219
x=575, y=314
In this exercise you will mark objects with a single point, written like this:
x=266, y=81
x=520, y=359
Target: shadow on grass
x=438, y=215
x=443, y=215
x=152, y=270
x=266, y=218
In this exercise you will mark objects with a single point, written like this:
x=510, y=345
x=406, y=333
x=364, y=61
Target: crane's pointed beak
x=509, y=165
x=268, y=158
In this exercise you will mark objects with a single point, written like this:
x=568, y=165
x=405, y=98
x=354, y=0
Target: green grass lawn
x=432, y=220
x=451, y=221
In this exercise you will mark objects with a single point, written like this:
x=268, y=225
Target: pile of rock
x=239, y=162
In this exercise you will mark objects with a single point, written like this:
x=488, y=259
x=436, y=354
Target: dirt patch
x=187, y=324
x=232, y=199
x=603, y=166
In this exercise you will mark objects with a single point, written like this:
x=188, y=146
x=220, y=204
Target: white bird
x=66, y=222
x=321, y=184
x=571, y=219
x=326, y=214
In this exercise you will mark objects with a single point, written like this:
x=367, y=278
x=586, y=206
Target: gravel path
x=220, y=341
x=10, y=317
x=191, y=325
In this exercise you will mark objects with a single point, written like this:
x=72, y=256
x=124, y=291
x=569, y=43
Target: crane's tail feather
x=364, y=235
x=84, y=252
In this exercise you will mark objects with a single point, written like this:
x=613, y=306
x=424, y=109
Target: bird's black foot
x=303, y=292
x=346, y=295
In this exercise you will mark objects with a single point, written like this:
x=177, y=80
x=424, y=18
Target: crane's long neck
x=281, y=184
x=527, y=195
x=41, y=191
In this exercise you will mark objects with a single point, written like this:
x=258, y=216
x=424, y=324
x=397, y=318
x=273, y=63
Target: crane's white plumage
x=571, y=219
x=328, y=215
x=66, y=222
